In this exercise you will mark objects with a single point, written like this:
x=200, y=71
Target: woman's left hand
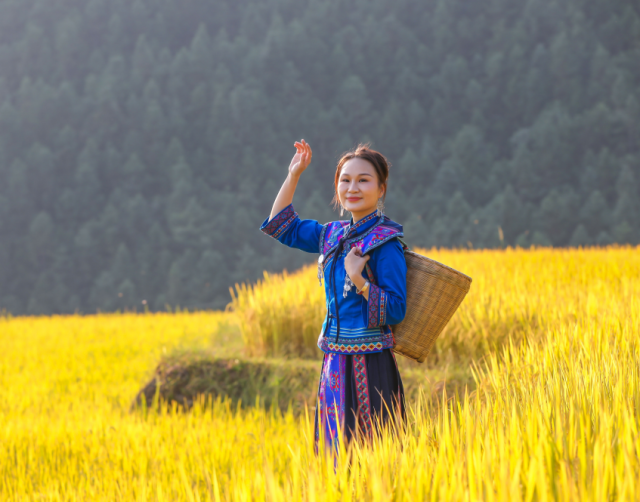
x=354, y=264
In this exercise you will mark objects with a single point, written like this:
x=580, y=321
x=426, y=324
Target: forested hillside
x=142, y=142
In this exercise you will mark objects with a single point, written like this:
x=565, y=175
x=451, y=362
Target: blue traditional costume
x=360, y=385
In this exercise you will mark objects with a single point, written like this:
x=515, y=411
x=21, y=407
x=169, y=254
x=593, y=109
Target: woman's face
x=359, y=188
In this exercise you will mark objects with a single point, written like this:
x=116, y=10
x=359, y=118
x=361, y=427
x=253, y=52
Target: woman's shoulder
x=393, y=226
x=389, y=255
x=394, y=246
x=385, y=233
x=385, y=229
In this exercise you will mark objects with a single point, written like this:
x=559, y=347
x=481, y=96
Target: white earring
x=380, y=206
x=341, y=210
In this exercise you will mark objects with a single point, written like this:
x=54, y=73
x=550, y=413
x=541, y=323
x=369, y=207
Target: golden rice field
x=551, y=336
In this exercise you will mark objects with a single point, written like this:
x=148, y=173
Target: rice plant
x=551, y=335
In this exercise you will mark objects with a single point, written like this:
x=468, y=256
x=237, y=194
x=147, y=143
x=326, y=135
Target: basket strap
x=370, y=276
x=405, y=246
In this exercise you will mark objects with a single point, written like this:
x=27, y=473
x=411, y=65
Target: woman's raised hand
x=301, y=159
x=299, y=163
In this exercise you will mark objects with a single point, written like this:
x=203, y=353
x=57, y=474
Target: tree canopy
x=142, y=142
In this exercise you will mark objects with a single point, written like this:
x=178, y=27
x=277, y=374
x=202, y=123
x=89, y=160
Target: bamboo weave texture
x=434, y=293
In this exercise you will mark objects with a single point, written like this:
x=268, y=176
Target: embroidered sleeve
x=279, y=222
x=376, y=306
x=388, y=290
x=290, y=230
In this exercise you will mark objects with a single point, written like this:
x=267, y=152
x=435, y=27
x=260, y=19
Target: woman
x=362, y=262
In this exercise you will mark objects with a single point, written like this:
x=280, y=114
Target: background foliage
x=142, y=142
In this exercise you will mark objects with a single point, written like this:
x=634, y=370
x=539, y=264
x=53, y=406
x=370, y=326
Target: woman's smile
x=359, y=188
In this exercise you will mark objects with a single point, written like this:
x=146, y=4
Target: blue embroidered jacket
x=363, y=325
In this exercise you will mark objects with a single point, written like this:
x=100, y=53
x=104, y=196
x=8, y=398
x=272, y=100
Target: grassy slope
x=183, y=376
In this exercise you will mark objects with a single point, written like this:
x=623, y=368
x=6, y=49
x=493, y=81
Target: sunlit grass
x=553, y=336
x=515, y=294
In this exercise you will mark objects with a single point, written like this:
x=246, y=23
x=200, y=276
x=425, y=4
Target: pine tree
x=580, y=237
x=595, y=215
x=557, y=217
x=212, y=276
x=627, y=210
x=41, y=242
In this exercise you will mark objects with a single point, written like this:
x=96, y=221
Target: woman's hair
x=376, y=159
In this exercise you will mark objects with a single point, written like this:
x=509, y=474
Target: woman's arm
x=299, y=163
x=283, y=223
x=387, y=299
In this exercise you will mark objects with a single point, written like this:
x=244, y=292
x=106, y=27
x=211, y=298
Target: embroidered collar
x=362, y=225
x=368, y=233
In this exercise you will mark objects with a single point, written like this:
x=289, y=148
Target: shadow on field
x=183, y=378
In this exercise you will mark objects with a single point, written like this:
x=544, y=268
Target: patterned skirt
x=357, y=394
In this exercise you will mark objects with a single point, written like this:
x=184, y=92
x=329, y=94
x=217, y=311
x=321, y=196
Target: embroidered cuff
x=377, y=307
x=280, y=222
x=369, y=277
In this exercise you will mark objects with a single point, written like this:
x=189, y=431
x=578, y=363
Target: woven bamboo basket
x=434, y=293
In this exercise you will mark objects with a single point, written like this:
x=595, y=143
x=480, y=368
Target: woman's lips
x=353, y=199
